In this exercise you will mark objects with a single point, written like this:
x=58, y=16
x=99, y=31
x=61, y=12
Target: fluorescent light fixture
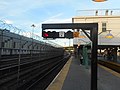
x=99, y=0
x=109, y=35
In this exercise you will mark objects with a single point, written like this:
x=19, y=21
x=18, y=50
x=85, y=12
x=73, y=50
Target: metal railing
x=10, y=28
x=98, y=12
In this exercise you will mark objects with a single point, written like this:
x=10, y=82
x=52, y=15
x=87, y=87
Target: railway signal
x=54, y=34
x=50, y=34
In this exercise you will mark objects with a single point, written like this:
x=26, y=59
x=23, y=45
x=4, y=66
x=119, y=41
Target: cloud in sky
x=15, y=7
x=21, y=6
x=34, y=10
x=57, y=19
x=8, y=21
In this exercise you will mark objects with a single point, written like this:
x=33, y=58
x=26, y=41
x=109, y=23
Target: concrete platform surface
x=74, y=76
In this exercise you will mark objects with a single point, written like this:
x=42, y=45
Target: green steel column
x=114, y=54
x=85, y=57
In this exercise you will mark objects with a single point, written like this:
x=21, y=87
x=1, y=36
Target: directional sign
x=61, y=34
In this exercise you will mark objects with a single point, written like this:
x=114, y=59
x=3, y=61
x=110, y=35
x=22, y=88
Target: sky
x=24, y=13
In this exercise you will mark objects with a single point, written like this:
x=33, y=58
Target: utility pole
x=33, y=26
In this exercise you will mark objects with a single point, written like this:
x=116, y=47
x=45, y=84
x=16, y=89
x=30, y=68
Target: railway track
x=26, y=73
x=112, y=65
x=43, y=82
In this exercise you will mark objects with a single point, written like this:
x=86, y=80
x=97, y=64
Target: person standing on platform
x=81, y=59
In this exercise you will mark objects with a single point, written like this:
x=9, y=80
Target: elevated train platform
x=74, y=76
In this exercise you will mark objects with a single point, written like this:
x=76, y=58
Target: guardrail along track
x=112, y=65
x=17, y=75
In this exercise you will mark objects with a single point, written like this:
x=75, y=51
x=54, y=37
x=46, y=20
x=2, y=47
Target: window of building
x=103, y=27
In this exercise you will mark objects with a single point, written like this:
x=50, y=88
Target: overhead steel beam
x=85, y=26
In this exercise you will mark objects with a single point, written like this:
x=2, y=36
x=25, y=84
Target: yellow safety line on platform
x=110, y=70
x=59, y=80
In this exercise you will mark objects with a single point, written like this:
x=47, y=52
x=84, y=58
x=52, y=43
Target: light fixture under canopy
x=99, y=0
x=109, y=35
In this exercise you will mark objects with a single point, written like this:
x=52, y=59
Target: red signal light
x=45, y=35
x=49, y=34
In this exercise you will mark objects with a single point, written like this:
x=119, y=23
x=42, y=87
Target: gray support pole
x=11, y=50
x=94, y=34
x=20, y=47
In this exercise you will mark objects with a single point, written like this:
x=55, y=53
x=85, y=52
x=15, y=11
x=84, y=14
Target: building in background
x=108, y=20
